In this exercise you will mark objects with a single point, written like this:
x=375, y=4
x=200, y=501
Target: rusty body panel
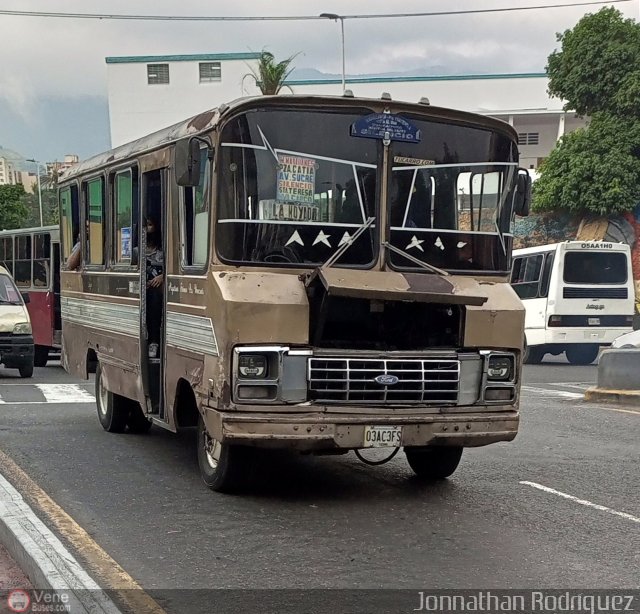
x=314, y=329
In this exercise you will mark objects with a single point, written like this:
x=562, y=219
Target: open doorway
x=152, y=285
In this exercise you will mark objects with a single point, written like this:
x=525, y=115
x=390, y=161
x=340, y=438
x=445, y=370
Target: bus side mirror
x=522, y=198
x=25, y=297
x=187, y=162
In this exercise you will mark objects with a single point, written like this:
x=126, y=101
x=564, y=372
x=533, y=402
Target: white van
x=578, y=295
x=16, y=338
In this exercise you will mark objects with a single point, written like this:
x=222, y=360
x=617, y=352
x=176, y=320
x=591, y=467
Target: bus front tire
x=41, y=356
x=26, y=370
x=137, y=421
x=582, y=354
x=433, y=462
x=113, y=410
x=223, y=467
x=533, y=355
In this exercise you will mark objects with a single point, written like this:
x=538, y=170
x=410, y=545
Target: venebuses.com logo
x=18, y=600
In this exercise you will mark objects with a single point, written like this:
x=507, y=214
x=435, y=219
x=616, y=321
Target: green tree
x=13, y=211
x=270, y=76
x=598, y=68
x=596, y=170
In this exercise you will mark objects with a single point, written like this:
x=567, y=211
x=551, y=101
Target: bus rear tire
x=582, y=354
x=113, y=410
x=433, y=462
x=223, y=467
x=41, y=356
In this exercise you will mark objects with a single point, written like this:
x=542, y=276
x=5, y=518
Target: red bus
x=32, y=256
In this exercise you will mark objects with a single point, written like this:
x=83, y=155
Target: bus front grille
x=595, y=292
x=371, y=380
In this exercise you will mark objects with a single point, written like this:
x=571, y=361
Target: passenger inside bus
x=155, y=278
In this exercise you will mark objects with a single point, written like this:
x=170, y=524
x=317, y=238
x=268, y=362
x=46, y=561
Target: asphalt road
x=333, y=522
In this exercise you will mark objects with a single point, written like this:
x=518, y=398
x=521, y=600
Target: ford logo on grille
x=386, y=379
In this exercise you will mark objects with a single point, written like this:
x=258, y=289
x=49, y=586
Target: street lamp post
x=336, y=17
x=39, y=187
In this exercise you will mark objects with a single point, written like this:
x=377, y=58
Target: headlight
x=500, y=368
x=252, y=366
x=22, y=328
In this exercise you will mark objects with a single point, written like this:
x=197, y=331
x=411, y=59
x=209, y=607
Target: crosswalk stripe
x=65, y=393
x=38, y=394
x=545, y=392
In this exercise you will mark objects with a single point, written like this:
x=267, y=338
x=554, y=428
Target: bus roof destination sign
x=386, y=126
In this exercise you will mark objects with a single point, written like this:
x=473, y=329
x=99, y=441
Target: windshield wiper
x=341, y=250
x=424, y=265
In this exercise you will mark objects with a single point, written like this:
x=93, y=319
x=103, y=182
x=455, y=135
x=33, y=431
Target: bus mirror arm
x=522, y=198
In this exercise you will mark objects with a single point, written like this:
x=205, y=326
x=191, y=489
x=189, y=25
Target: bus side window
x=125, y=227
x=94, y=203
x=41, y=259
x=22, y=273
x=195, y=219
x=70, y=220
x=546, y=275
x=6, y=253
x=528, y=277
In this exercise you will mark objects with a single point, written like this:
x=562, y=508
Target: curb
x=619, y=397
x=45, y=560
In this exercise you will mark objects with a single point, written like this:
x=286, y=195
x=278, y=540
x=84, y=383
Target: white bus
x=578, y=295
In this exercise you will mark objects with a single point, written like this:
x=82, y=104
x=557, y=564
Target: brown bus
x=322, y=274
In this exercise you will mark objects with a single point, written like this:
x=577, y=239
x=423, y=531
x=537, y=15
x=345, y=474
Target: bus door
x=57, y=315
x=152, y=287
x=526, y=279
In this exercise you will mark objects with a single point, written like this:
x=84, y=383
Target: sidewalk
x=11, y=576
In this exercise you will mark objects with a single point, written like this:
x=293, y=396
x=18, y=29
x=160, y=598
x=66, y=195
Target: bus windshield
x=595, y=268
x=451, y=198
x=295, y=185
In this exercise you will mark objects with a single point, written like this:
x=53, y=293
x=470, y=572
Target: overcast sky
x=46, y=58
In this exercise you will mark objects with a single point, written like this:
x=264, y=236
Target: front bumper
x=332, y=431
x=16, y=349
x=600, y=336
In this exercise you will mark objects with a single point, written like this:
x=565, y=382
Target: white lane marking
x=65, y=393
x=545, y=392
x=602, y=508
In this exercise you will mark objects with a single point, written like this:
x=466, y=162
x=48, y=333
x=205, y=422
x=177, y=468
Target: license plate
x=594, y=321
x=382, y=436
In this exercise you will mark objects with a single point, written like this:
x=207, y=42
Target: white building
x=8, y=173
x=147, y=93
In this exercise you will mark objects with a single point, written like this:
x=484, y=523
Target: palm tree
x=270, y=76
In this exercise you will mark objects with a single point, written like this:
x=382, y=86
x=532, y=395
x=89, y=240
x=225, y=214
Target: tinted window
x=595, y=268
x=525, y=276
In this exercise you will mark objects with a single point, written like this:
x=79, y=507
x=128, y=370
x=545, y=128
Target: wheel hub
x=212, y=448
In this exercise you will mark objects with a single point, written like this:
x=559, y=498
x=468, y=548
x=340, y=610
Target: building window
x=210, y=71
x=528, y=138
x=157, y=73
